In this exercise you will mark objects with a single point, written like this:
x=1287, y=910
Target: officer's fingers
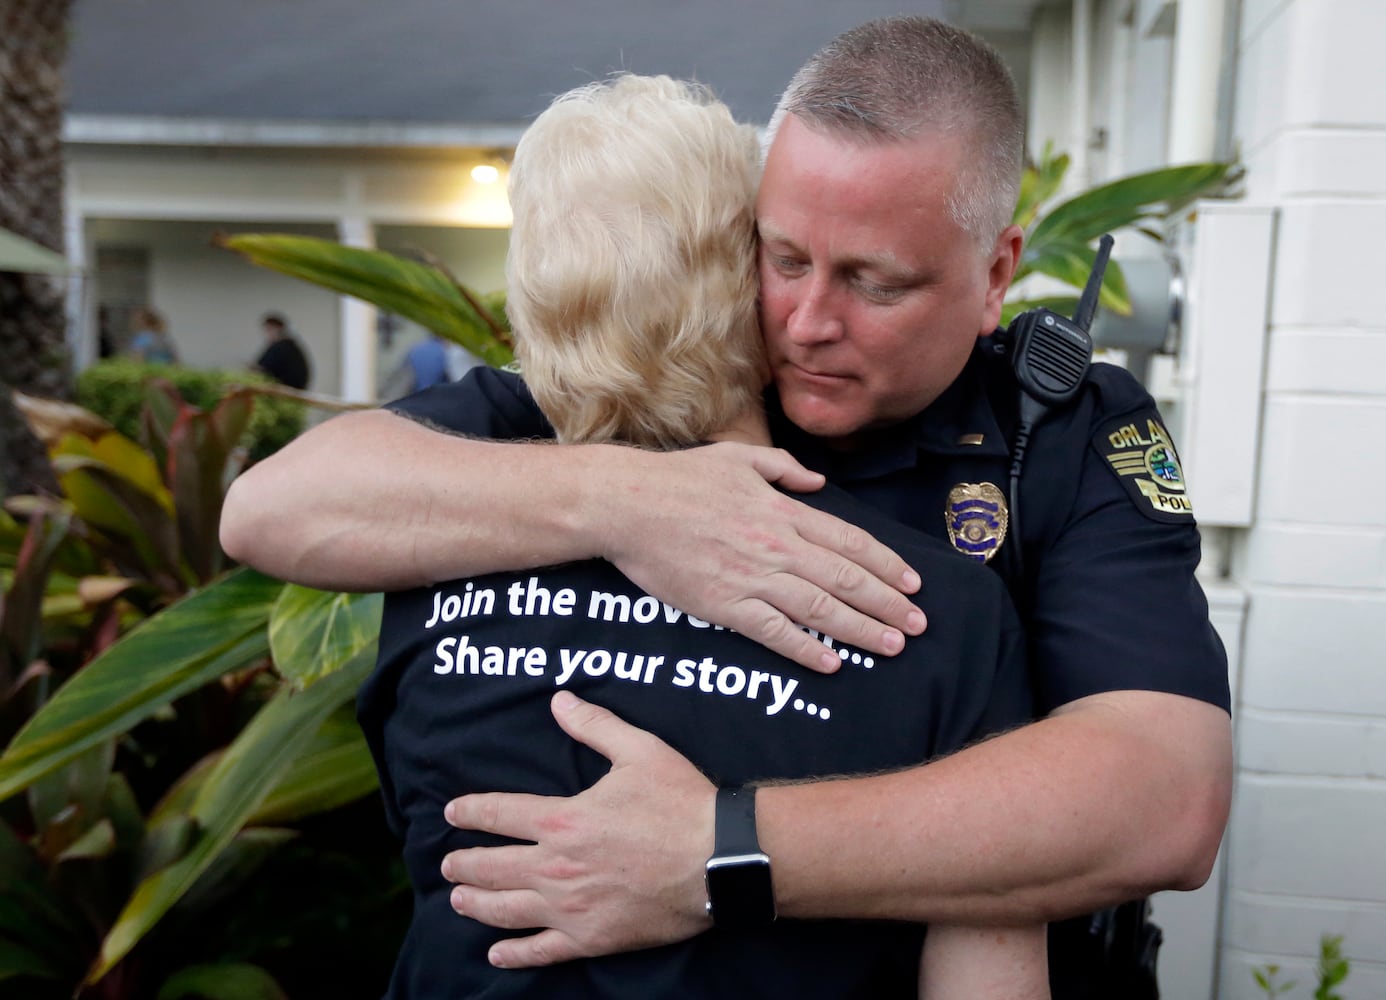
x=847, y=581
x=803, y=595
x=772, y=628
x=509, y=814
x=513, y=866
x=884, y=576
x=545, y=948
x=513, y=909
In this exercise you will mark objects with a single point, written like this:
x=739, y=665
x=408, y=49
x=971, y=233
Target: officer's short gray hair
x=901, y=77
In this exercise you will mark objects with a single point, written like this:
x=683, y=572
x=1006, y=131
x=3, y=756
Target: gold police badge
x=977, y=518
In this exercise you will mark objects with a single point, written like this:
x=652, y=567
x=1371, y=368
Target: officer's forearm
x=1113, y=797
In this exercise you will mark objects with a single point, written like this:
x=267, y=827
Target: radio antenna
x=1087, y=305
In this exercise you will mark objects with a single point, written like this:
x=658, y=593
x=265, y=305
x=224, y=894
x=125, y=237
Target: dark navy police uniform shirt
x=1105, y=588
x=1107, y=596
x=459, y=703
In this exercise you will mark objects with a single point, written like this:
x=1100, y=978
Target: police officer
x=885, y=254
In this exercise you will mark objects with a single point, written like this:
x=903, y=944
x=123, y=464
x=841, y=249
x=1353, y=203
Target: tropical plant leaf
x=336, y=769
x=228, y=981
x=74, y=558
x=212, y=632
x=98, y=842
x=1071, y=263
x=230, y=870
x=31, y=915
x=240, y=781
x=21, y=625
x=162, y=405
x=50, y=419
x=1065, y=305
x=81, y=782
x=17, y=960
x=1038, y=184
x=168, y=839
x=313, y=632
x=1111, y=206
x=118, y=454
x=178, y=799
x=114, y=500
x=200, y=449
x=414, y=291
x=124, y=812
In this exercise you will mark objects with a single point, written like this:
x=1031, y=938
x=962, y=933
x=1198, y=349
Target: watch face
x=740, y=891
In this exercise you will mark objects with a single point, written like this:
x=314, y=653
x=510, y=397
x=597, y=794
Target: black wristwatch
x=740, y=894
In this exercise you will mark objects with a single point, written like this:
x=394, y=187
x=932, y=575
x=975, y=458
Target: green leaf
x=200, y=448
x=230, y=870
x=17, y=960
x=210, y=633
x=313, y=632
x=1038, y=184
x=162, y=404
x=1111, y=206
x=178, y=799
x=336, y=769
x=32, y=916
x=106, y=499
x=1065, y=305
x=21, y=614
x=414, y=291
x=240, y=781
x=166, y=841
x=228, y=981
x=124, y=812
x=98, y=842
x=1071, y=263
x=82, y=782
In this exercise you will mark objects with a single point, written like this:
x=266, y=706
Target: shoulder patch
x=1140, y=453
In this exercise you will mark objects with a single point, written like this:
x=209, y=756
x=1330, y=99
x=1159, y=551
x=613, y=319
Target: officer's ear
x=1001, y=263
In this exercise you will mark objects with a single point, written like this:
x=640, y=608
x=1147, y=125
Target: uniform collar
x=960, y=422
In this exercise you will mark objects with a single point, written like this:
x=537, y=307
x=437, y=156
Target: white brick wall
x=1306, y=848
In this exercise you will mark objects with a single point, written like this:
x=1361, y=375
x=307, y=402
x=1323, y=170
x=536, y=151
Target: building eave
x=154, y=130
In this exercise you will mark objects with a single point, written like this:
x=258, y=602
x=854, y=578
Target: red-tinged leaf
x=21, y=619
x=212, y=632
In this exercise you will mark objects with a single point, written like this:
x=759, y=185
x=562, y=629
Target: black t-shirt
x=459, y=703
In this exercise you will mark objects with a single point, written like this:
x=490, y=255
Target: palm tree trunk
x=33, y=349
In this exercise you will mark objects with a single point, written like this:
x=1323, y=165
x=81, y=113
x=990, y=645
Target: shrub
x=115, y=390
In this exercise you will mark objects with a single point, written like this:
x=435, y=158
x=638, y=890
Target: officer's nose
x=815, y=319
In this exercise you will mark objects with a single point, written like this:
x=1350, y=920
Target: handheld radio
x=1051, y=355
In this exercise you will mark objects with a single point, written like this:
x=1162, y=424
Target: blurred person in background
x=150, y=341
x=283, y=358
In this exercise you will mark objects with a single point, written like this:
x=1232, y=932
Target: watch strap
x=735, y=826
